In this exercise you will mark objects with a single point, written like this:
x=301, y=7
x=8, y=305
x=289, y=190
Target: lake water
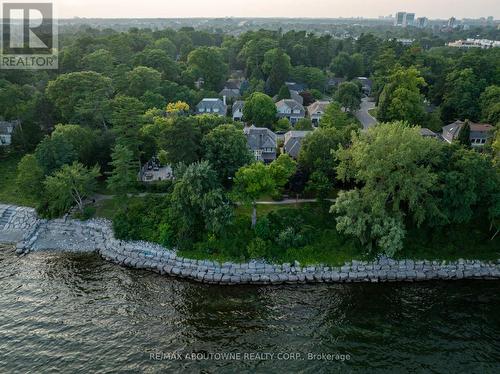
x=77, y=313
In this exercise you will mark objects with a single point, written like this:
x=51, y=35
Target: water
x=77, y=313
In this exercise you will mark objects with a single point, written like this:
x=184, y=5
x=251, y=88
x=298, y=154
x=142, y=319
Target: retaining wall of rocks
x=97, y=236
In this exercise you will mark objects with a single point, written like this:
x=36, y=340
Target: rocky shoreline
x=21, y=226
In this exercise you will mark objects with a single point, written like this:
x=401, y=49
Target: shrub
x=257, y=248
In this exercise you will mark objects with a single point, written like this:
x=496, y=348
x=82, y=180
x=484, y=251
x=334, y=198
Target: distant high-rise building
x=452, y=22
x=422, y=22
x=490, y=20
x=399, y=19
x=409, y=19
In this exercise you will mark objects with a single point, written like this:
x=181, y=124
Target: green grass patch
x=373, y=112
x=9, y=192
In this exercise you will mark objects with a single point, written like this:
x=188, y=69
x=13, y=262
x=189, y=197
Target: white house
x=6, y=131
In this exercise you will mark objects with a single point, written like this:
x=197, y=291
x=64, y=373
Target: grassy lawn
x=9, y=193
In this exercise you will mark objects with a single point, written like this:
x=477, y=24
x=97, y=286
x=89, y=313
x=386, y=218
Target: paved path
x=366, y=119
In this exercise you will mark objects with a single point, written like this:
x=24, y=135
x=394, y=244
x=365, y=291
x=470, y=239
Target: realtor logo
x=28, y=36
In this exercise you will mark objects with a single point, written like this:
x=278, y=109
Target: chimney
x=224, y=99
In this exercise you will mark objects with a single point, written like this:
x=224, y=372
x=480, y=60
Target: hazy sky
x=275, y=8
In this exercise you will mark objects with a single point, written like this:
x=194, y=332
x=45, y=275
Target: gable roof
x=293, y=142
x=260, y=137
x=230, y=92
x=294, y=86
x=318, y=106
x=290, y=103
x=238, y=105
x=211, y=103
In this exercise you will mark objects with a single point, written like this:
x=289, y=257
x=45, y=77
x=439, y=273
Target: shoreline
x=22, y=227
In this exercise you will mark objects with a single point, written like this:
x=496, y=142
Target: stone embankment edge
x=97, y=236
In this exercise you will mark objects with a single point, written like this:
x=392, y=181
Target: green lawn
x=9, y=193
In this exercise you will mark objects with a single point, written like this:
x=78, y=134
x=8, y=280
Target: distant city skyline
x=433, y=9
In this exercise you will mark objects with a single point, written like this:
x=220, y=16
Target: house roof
x=453, y=128
x=238, y=105
x=335, y=81
x=480, y=127
x=260, y=137
x=317, y=106
x=290, y=103
x=212, y=103
x=293, y=142
x=428, y=133
x=299, y=87
x=230, y=92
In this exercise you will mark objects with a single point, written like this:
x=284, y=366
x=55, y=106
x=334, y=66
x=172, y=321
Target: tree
x=259, y=110
x=199, y=203
x=82, y=97
x=396, y=168
x=490, y=104
x=349, y=96
x=100, y=61
x=313, y=77
x=53, y=153
x=72, y=184
x=464, y=134
x=143, y=79
x=83, y=141
x=179, y=107
x=165, y=44
x=284, y=93
x=207, y=63
x=180, y=137
x=29, y=176
x=347, y=66
x=276, y=67
x=250, y=183
x=282, y=125
x=227, y=151
x=304, y=124
x=401, y=99
x=334, y=117
x=160, y=61
x=282, y=169
x=461, y=98
x=123, y=177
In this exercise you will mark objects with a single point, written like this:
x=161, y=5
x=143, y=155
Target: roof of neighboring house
x=231, y=93
x=238, y=105
x=290, y=103
x=7, y=128
x=426, y=132
x=299, y=87
x=335, y=81
x=294, y=95
x=317, y=107
x=480, y=127
x=293, y=142
x=233, y=84
x=211, y=103
x=260, y=137
x=452, y=130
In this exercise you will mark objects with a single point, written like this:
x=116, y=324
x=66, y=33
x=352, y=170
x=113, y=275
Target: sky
x=275, y=8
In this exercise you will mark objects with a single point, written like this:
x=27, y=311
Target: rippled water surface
x=77, y=313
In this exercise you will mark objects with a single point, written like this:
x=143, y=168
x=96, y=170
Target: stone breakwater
x=21, y=226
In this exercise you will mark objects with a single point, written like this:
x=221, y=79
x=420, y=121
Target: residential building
x=427, y=133
x=293, y=142
x=366, y=85
x=422, y=22
x=479, y=132
x=399, y=19
x=409, y=20
x=290, y=109
x=230, y=93
x=294, y=86
x=238, y=110
x=212, y=106
x=334, y=82
x=316, y=110
x=6, y=132
x=262, y=142
x=474, y=43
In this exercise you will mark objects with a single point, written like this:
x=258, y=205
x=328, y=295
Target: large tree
x=347, y=66
x=225, y=147
x=250, y=183
x=29, y=176
x=401, y=98
x=123, y=176
x=82, y=97
x=69, y=186
x=349, y=96
x=259, y=110
x=276, y=67
x=208, y=63
x=393, y=164
x=143, y=79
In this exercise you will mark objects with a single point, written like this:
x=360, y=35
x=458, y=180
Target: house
x=212, y=106
x=238, y=110
x=291, y=110
x=450, y=132
x=293, y=86
x=316, y=110
x=426, y=133
x=333, y=83
x=262, y=142
x=6, y=131
x=230, y=93
x=293, y=142
x=366, y=85
x=479, y=132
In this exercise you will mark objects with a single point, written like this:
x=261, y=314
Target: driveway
x=366, y=119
